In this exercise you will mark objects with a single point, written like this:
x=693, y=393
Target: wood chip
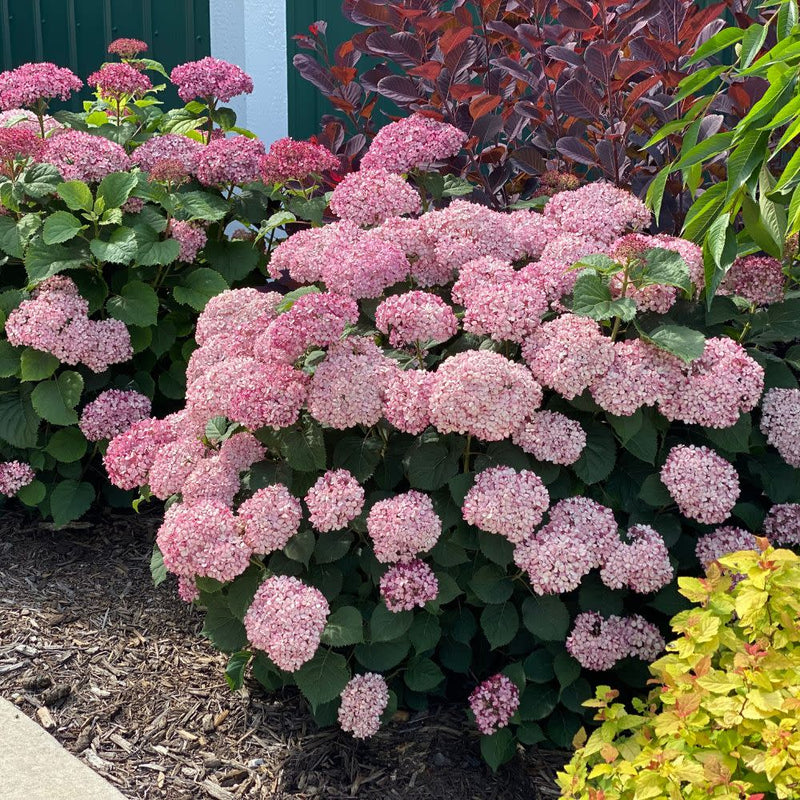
x=45, y=718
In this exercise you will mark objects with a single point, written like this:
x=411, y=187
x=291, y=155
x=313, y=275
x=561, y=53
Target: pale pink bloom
x=403, y=526
x=780, y=422
x=371, y=196
x=408, y=585
x=14, y=475
x=112, y=413
x=364, y=700
x=493, y=703
x=759, y=279
x=334, y=501
x=210, y=79
x=271, y=517
x=416, y=317
x=551, y=436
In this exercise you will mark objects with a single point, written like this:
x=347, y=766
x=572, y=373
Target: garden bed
x=116, y=670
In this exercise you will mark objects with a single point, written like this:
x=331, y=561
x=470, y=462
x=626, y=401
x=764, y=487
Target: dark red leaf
x=453, y=37
x=399, y=88
x=530, y=160
x=573, y=148
x=577, y=100
x=464, y=91
x=343, y=74
x=314, y=73
x=429, y=70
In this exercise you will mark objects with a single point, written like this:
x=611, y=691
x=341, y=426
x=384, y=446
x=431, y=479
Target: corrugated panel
x=306, y=104
x=76, y=33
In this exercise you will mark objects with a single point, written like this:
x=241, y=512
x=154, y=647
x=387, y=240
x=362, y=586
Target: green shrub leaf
x=199, y=286
x=323, y=678
x=70, y=500
x=55, y=400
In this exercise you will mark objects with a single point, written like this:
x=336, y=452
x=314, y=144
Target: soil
x=117, y=671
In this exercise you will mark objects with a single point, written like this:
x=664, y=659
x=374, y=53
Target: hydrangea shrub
x=116, y=227
x=467, y=457
x=722, y=720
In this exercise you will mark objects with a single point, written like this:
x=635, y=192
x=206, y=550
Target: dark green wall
x=306, y=104
x=75, y=33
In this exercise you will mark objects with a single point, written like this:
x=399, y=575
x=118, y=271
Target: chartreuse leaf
x=719, y=41
x=70, y=500
x=704, y=212
x=655, y=191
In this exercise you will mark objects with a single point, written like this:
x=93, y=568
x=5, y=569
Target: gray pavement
x=34, y=766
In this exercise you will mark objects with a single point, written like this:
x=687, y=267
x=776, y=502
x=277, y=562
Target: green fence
x=75, y=33
x=306, y=104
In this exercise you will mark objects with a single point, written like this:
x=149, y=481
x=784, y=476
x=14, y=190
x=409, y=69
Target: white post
x=252, y=34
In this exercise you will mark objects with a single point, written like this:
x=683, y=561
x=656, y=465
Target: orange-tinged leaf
x=481, y=106
x=453, y=37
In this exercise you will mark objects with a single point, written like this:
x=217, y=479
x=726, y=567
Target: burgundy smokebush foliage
x=535, y=84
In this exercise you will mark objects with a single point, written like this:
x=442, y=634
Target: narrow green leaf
x=719, y=41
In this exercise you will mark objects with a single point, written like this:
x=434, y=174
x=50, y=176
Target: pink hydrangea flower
x=414, y=142
x=229, y=161
x=32, y=83
x=703, y=484
x=317, y=319
x=364, y=700
x=213, y=480
x=407, y=399
x=722, y=542
x=288, y=160
x=782, y=525
x=598, y=644
x=14, y=475
x=81, y=156
x=364, y=267
x=555, y=561
x=191, y=236
x=347, y=387
x=408, y=584
x=271, y=517
x=286, y=620
x=371, y=196
x=493, y=703
x=598, y=210
x=568, y=353
x=506, y=502
x=244, y=313
x=213, y=392
x=203, y=539
x=554, y=269
x=304, y=254
x=403, y=526
x=210, y=79
x=26, y=120
x=583, y=519
x=551, y=436
x=172, y=464
x=412, y=236
x=759, y=279
x=17, y=147
x=167, y=147
x=533, y=231
x=640, y=374
x=641, y=564
x=115, y=81
x=482, y=393
x=130, y=455
x=780, y=422
x=271, y=398
x=334, y=500
x=187, y=589
x=416, y=317
x=715, y=389
x=112, y=413
x=127, y=48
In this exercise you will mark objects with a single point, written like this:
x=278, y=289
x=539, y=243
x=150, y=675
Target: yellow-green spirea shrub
x=724, y=719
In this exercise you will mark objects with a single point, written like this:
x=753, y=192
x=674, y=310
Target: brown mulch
x=116, y=670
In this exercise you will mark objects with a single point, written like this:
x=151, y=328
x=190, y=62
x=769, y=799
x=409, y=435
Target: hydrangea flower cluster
x=271, y=517
x=17, y=147
x=759, y=279
x=286, y=619
x=403, y=526
x=127, y=48
x=117, y=81
x=230, y=161
x=55, y=320
x=112, y=412
x=24, y=119
x=722, y=542
x=598, y=643
x=364, y=700
x=506, y=502
x=780, y=422
x=211, y=80
x=782, y=525
x=31, y=84
x=290, y=160
x=14, y=475
x=416, y=318
x=191, y=236
x=168, y=148
x=551, y=436
x=703, y=484
x=80, y=156
x=408, y=584
x=369, y=197
x=334, y=500
x=493, y=703
x=415, y=142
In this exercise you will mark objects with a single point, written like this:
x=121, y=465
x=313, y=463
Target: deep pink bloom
x=229, y=161
x=127, y=48
x=372, y=196
x=31, y=83
x=192, y=238
x=493, y=703
x=115, y=81
x=84, y=157
x=168, y=147
x=17, y=147
x=130, y=455
x=408, y=585
x=210, y=79
x=289, y=160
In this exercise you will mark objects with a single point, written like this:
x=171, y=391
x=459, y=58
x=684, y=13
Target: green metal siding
x=75, y=33
x=306, y=104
